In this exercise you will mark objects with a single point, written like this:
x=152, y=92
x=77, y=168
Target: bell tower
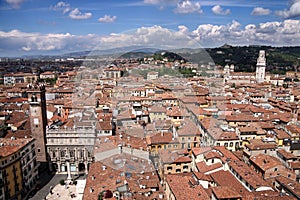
x=38, y=119
x=261, y=67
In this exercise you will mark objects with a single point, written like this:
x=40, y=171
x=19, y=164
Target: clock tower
x=38, y=119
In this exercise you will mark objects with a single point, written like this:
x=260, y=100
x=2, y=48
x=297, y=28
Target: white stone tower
x=261, y=67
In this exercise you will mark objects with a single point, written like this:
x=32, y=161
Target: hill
x=279, y=59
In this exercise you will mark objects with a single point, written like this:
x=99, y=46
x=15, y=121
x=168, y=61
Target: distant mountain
x=279, y=59
x=123, y=51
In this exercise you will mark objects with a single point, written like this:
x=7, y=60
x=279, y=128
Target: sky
x=44, y=27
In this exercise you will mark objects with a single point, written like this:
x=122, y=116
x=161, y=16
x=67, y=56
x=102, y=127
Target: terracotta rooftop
x=226, y=179
x=106, y=175
x=204, y=168
x=264, y=162
x=202, y=176
x=281, y=134
x=246, y=173
x=200, y=150
x=294, y=129
x=258, y=144
x=224, y=192
x=10, y=146
x=161, y=138
x=285, y=154
x=169, y=157
x=189, y=128
x=290, y=185
x=183, y=188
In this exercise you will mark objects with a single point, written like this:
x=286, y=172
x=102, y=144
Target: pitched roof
x=182, y=187
x=224, y=192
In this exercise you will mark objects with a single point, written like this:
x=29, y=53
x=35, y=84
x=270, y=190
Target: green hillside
x=279, y=59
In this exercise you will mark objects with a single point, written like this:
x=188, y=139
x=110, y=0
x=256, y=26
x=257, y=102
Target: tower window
x=39, y=150
x=36, y=121
x=33, y=98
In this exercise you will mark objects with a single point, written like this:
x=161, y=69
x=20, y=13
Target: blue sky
x=53, y=27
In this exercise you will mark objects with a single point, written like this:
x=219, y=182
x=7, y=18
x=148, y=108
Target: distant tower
x=226, y=70
x=295, y=112
x=38, y=119
x=232, y=68
x=261, y=67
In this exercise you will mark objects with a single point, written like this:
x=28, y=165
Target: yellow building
x=293, y=131
x=162, y=140
x=282, y=137
x=188, y=134
x=173, y=162
x=11, y=173
x=176, y=114
x=157, y=113
x=13, y=178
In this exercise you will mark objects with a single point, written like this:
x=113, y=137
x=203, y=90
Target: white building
x=71, y=149
x=261, y=67
x=152, y=75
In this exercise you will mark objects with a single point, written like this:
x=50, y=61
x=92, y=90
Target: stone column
x=86, y=167
x=50, y=159
x=58, y=167
x=68, y=170
x=85, y=153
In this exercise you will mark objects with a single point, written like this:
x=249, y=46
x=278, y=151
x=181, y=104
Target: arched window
x=81, y=154
x=72, y=153
x=63, y=153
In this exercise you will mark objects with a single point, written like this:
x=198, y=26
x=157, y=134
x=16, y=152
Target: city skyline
x=54, y=27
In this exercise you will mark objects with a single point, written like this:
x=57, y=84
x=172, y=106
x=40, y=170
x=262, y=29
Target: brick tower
x=38, y=119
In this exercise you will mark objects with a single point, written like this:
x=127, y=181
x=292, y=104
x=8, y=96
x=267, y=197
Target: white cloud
x=272, y=33
x=74, y=13
x=259, y=11
x=269, y=27
x=154, y=36
x=15, y=3
x=183, y=29
x=293, y=11
x=218, y=10
x=186, y=6
x=16, y=41
x=269, y=33
x=77, y=14
x=107, y=19
x=62, y=6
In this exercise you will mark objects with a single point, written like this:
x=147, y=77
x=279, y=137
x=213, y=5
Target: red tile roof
x=183, y=188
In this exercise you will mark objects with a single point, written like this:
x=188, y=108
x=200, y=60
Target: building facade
x=71, y=149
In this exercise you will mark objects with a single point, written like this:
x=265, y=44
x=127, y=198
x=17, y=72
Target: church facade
x=230, y=76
